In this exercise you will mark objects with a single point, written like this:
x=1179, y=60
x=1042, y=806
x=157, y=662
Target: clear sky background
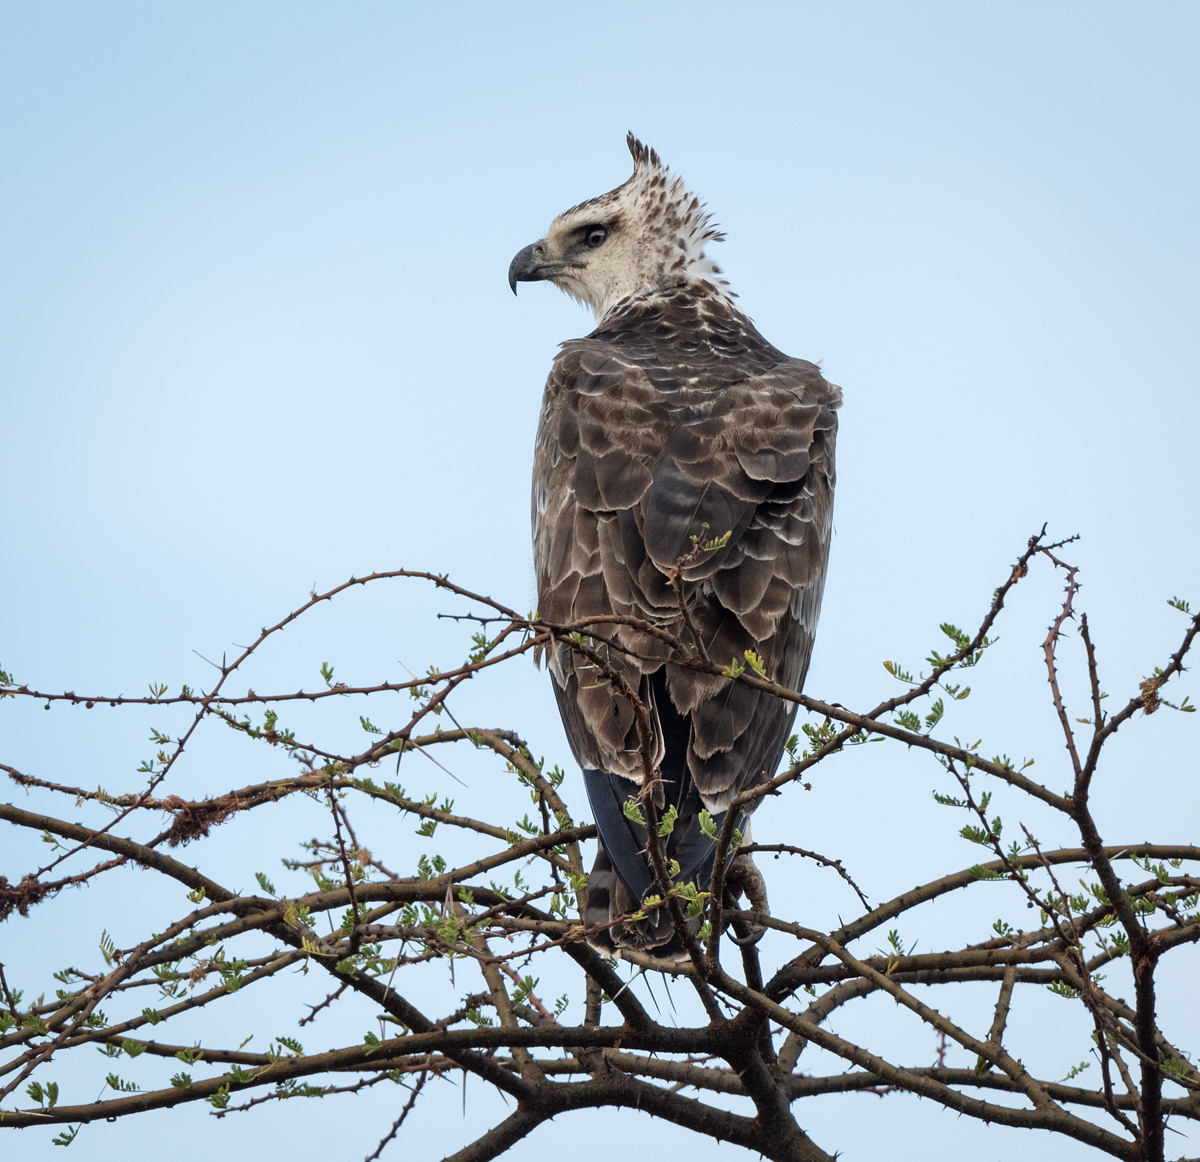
x=255, y=334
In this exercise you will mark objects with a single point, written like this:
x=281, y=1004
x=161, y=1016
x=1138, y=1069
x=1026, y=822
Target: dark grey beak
x=525, y=268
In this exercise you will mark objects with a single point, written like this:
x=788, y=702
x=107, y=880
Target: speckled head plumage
x=646, y=236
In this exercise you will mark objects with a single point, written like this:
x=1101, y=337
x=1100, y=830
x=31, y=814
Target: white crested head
x=647, y=235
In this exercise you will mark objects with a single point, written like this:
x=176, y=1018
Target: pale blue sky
x=255, y=334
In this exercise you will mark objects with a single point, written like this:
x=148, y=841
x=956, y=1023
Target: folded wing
x=639, y=466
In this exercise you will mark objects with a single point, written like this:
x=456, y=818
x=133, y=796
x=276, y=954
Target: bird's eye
x=595, y=236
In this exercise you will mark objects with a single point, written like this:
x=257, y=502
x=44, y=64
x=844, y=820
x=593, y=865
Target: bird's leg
x=744, y=879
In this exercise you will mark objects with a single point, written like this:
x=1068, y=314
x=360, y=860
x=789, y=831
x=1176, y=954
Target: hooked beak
x=530, y=265
x=526, y=267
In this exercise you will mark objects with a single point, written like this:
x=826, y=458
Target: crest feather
x=689, y=220
x=643, y=156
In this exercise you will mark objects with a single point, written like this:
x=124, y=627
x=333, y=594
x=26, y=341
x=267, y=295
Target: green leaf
x=949, y=800
x=1062, y=989
x=756, y=663
x=218, y=1100
x=667, y=823
x=525, y=988
x=632, y=811
x=898, y=672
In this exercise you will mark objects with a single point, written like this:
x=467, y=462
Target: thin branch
x=408, y=1105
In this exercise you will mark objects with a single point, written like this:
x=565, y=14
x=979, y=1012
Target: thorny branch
x=360, y=928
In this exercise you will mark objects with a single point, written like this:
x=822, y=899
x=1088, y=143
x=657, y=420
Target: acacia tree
x=758, y=1039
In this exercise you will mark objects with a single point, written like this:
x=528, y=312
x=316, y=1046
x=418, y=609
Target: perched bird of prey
x=673, y=426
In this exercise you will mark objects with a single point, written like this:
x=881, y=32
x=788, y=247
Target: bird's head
x=645, y=236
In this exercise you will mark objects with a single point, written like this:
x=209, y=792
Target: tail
x=623, y=875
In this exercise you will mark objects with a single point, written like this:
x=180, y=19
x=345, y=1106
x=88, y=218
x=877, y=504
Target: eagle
x=683, y=482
